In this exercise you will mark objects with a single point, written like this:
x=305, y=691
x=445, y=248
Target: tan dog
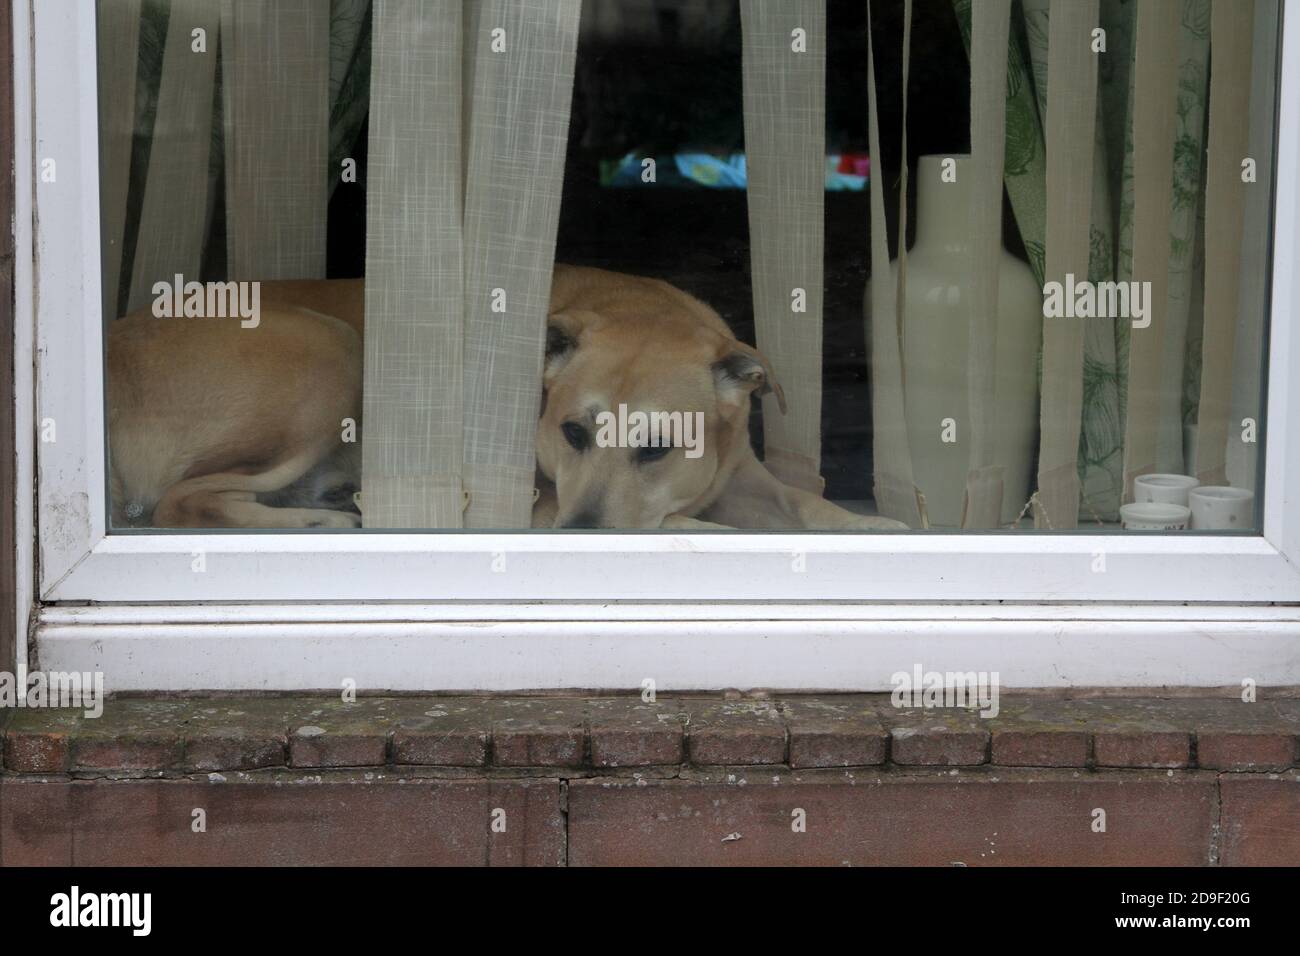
x=214, y=425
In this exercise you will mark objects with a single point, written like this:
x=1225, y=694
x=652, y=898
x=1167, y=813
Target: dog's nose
x=583, y=519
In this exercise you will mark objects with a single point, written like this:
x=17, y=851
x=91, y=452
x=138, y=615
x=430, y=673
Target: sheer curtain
x=1225, y=212
x=180, y=153
x=275, y=93
x=412, y=459
x=469, y=122
x=784, y=67
x=990, y=28
x=118, y=34
x=1247, y=394
x=896, y=493
x=1070, y=115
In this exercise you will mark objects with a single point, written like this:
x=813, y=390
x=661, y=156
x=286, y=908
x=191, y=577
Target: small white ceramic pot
x=1220, y=508
x=1165, y=489
x=1154, y=516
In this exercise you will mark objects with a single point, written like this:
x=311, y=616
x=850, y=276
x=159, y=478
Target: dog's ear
x=563, y=330
x=742, y=370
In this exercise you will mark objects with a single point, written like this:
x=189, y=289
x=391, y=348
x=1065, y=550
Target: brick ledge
x=164, y=736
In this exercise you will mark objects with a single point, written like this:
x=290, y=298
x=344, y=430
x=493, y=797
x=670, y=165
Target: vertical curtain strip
x=472, y=22
x=1070, y=125
x=1100, y=440
x=523, y=60
x=1231, y=29
x=411, y=456
x=1025, y=162
x=900, y=279
x=118, y=29
x=1155, y=100
x=168, y=244
x=784, y=68
x=990, y=29
x=1193, y=41
x=1249, y=358
x=275, y=84
x=1117, y=96
x=895, y=489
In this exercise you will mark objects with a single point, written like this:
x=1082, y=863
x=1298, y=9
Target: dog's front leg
x=754, y=498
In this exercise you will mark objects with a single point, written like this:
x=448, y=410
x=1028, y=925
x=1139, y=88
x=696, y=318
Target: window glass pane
x=615, y=264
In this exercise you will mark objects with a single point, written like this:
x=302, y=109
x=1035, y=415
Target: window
x=302, y=336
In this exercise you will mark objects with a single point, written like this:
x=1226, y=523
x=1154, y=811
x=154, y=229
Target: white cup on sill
x=1154, y=516
x=1165, y=489
x=1220, y=508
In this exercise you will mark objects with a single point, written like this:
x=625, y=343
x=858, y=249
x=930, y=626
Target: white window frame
x=427, y=611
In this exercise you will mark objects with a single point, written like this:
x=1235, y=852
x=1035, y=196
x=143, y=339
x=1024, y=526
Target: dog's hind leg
x=229, y=500
x=332, y=483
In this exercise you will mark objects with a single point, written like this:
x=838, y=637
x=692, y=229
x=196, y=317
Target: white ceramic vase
x=936, y=328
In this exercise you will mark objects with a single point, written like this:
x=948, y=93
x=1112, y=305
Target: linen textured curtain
x=1225, y=214
x=894, y=486
x=180, y=151
x=118, y=34
x=459, y=268
x=518, y=130
x=784, y=66
x=275, y=91
x=1155, y=74
x=1247, y=392
x=988, y=119
x=1070, y=117
x=469, y=122
x=411, y=456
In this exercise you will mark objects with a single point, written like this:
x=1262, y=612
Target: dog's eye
x=576, y=435
x=652, y=453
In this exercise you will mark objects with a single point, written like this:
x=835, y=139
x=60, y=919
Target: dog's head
x=645, y=411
